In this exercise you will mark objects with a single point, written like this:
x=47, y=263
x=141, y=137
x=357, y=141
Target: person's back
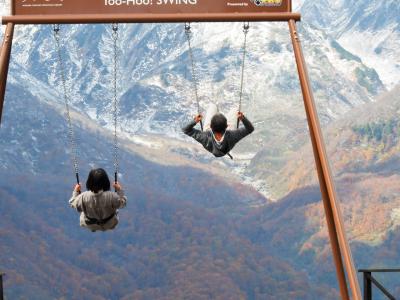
x=98, y=206
x=219, y=141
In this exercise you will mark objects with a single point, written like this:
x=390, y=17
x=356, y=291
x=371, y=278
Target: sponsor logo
x=267, y=2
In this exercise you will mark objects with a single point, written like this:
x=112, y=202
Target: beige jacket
x=98, y=206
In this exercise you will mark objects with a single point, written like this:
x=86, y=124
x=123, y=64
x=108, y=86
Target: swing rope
x=188, y=33
x=115, y=101
x=246, y=27
x=71, y=136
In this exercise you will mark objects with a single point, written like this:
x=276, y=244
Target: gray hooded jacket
x=208, y=141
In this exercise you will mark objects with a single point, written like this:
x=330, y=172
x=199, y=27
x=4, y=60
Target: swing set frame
x=163, y=11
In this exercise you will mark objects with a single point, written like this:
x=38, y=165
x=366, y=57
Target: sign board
x=74, y=7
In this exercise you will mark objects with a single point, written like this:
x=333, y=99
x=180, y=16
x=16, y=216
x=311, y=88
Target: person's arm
x=240, y=133
x=75, y=201
x=247, y=125
x=119, y=201
x=198, y=135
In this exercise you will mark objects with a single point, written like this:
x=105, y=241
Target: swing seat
x=94, y=225
x=93, y=221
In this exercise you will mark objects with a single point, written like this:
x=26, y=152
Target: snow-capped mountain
x=155, y=88
x=154, y=60
x=368, y=29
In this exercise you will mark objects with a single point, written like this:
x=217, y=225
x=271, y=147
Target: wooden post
x=1, y=287
x=339, y=244
x=5, y=62
x=367, y=286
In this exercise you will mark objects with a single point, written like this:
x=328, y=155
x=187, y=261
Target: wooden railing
x=369, y=280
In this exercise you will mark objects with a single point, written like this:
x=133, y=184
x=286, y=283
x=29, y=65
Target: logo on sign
x=267, y=2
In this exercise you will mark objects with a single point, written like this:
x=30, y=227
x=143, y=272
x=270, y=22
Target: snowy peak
x=368, y=29
x=339, y=17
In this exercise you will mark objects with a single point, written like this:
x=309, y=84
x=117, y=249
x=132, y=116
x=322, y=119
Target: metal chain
x=115, y=100
x=188, y=33
x=246, y=27
x=71, y=136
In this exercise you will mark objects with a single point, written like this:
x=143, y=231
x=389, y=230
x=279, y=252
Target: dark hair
x=98, y=180
x=219, y=123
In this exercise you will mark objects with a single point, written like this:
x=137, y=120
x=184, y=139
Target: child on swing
x=98, y=206
x=217, y=138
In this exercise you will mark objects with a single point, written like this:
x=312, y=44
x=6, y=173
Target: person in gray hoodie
x=98, y=207
x=218, y=140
